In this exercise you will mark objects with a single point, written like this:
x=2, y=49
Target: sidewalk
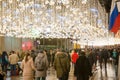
x=103, y=74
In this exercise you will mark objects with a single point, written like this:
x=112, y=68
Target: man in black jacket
x=82, y=68
x=105, y=57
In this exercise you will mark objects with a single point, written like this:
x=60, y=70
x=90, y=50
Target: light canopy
x=76, y=19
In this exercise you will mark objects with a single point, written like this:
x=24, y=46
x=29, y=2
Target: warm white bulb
x=46, y=2
x=52, y=3
x=10, y=1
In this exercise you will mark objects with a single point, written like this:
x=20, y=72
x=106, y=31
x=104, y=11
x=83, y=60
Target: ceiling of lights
x=77, y=19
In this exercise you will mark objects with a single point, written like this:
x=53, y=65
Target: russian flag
x=114, y=22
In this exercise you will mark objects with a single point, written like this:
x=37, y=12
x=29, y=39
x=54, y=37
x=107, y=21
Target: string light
x=49, y=19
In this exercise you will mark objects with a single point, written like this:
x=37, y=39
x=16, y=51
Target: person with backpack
x=41, y=64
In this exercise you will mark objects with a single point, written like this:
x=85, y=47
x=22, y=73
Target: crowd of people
x=34, y=64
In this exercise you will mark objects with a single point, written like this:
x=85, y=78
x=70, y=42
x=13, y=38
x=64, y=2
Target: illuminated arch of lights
x=76, y=19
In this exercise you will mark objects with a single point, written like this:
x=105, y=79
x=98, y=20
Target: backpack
x=40, y=64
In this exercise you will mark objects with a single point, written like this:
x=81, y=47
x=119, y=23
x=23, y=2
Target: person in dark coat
x=5, y=61
x=91, y=59
x=100, y=58
x=0, y=59
x=2, y=74
x=61, y=65
x=69, y=58
x=105, y=57
x=33, y=55
x=52, y=57
x=82, y=68
x=95, y=56
x=48, y=57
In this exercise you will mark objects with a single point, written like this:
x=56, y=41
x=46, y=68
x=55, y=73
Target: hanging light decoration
x=49, y=19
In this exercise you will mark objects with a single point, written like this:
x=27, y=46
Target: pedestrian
x=91, y=59
x=2, y=74
x=74, y=57
x=115, y=56
x=28, y=66
x=61, y=65
x=33, y=55
x=105, y=57
x=99, y=53
x=82, y=68
x=52, y=57
x=13, y=59
x=48, y=56
x=41, y=64
x=5, y=61
x=0, y=59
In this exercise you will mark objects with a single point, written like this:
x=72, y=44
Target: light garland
x=50, y=19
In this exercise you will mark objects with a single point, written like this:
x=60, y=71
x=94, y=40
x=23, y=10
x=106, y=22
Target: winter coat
x=91, y=59
x=100, y=56
x=82, y=68
x=48, y=56
x=52, y=57
x=13, y=59
x=95, y=55
x=2, y=76
x=105, y=55
x=44, y=72
x=74, y=57
x=0, y=59
x=5, y=58
x=116, y=59
x=33, y=55
x=63, y=59
x=28, y=68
